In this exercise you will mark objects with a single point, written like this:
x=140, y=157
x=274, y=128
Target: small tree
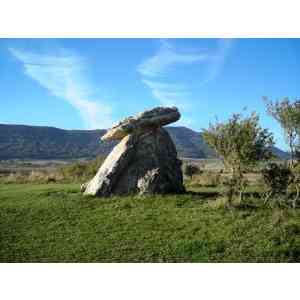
x=190, y=170
x=287, y=113
x=288, y=116
x=241, y=143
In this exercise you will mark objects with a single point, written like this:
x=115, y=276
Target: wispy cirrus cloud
x=156, y=71
x=166, y=57
x=62, y=74
x=218, y=59
x=169, y=94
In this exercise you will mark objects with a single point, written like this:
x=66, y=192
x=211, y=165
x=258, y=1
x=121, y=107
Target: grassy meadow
x=54, y=223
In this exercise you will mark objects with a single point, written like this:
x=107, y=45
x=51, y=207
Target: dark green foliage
x=190, y=170
x=282, y=183
x=55, y=223
x=277, y=178
x=295, y=184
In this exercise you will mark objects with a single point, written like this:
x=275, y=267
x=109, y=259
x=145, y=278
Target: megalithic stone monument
x=145, y=160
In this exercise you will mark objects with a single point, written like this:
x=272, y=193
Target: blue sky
x=93, y=83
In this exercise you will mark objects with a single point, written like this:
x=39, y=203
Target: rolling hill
x=39, y=142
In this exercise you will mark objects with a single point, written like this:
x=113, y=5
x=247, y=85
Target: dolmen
x=144, y=161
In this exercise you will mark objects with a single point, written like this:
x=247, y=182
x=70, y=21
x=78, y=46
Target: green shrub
x=190, y=170
x=276, y=179
x=241, y=143
x=295, y=184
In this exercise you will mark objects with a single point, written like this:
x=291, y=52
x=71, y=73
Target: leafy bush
x=276, y=179
x=241, y=143
x=295, y=184
x=190, y=170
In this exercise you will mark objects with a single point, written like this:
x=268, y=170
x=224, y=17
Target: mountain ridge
x=47, y=142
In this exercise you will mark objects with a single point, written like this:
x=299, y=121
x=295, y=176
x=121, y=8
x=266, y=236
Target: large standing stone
x=144, y=162
x=141, y=163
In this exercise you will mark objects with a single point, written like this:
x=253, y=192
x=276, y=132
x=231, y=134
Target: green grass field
x=55, y=223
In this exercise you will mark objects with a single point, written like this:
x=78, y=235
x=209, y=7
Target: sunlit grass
x=55, y=223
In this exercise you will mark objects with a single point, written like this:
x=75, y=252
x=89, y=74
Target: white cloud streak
x=167, y=93
x=155, y=70
x=218, y=59
x=165, y=58
x=63, y=76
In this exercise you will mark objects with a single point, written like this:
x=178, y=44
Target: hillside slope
x=38, y=142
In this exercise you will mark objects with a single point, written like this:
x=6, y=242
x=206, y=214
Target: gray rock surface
x=153, y=118
x=144, y=162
